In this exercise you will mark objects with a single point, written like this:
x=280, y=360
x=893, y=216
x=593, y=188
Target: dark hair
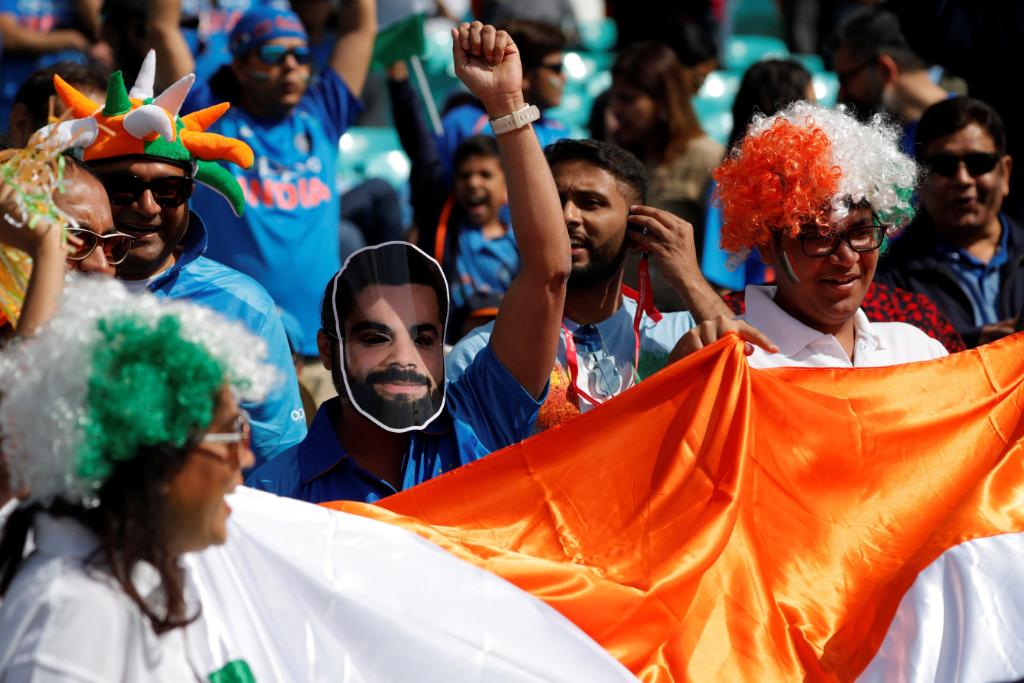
x=948, y=116
x=869, y=33
x=475, y=146
x=131, y=524
x=395, y=263
x=622, y=164
x=535, y=40
x=654, y=69
x=35, y=92
x=767, y=87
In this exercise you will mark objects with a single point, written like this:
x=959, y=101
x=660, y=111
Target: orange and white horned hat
x=135, y=123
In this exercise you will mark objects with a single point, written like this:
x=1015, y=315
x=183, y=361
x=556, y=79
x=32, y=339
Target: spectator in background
x=37, y=99
x=289, y=238
x=36, y=34
x=980, y=42
x=466, y=230
x=878, y=72
x=655, y=120
x=962, y=251
x=540, y=48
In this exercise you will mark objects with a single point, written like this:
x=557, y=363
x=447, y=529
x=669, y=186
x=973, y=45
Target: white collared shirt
x=875, y=345
x=62, y=622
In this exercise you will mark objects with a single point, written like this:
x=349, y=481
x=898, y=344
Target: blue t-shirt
x=980, y=281
x=319, y=470
x=481, y=265
x=38, y=15
x=469, y=120
x=278, y=421
x=288, y=239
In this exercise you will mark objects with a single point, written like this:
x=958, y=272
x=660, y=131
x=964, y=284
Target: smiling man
x=829, y=191
x=149, y=160
x=962, y=251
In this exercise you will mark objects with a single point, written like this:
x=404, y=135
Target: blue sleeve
x=462, y=354
x=199, y=97
x=330, y=100
x=279, y=476
x=490, y=400
x=279, y=420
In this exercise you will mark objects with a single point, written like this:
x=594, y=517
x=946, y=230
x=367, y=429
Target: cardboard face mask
x=390, y=312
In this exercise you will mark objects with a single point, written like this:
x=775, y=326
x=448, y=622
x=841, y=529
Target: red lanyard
x=644, y=305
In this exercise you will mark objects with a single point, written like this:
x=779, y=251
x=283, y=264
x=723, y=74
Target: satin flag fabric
x=303, y=594
x=724, y=523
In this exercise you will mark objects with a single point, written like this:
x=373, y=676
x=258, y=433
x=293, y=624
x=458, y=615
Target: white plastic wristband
x=515, y=120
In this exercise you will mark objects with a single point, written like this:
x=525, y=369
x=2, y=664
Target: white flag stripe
x=303, y=593
x=961, y=620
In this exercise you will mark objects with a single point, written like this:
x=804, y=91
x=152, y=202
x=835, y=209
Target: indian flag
x=714, y=523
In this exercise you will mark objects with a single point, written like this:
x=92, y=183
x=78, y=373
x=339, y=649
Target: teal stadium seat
x=813, y=63
x=715, y=116
x=598, y=36
x=743, y=50
x=363, y=147
x=756, y=17
x=826, y=87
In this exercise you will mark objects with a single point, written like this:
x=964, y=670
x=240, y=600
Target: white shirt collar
x=791, y=335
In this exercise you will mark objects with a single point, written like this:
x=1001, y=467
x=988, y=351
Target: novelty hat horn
x=135, y=123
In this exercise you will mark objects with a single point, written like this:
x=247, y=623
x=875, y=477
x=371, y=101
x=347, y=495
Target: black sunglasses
x=556, y=68
x=977, y=163
x=116, y=245
x=125, y=188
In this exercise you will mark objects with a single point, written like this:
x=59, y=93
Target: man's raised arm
x=526, y=333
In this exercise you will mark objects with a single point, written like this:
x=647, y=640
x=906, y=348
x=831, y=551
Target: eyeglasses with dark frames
x=859, y=239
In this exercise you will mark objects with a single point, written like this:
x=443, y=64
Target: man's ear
x=890, y=70
x=325, y=347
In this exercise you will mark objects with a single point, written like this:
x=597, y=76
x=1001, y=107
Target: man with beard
x=609, y=341
x=878, y=72
x=382, y=330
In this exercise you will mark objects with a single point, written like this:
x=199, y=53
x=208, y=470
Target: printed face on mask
x=391, y=336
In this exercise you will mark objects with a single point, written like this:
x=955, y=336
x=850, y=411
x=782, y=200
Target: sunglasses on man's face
x=116, y=245
x=947, y=165
x=555, y=67
x=273, y=55
x=126, y=188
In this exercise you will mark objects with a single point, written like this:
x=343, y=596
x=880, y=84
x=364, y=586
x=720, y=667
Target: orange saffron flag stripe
x=723, y=523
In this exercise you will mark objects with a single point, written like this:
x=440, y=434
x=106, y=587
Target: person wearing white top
x=829, y=190
x=875, y=344
x=122, y=432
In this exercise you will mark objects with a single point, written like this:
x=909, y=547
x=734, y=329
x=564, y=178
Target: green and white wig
x=112, y=374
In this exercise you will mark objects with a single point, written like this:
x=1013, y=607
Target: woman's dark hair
x=654, y=69
x=131, y=524
x=948, y=116
x=620, y=163
x=767, y=87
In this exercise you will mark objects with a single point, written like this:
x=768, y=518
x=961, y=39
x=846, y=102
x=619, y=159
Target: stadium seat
x=721, y=85
x=599, y=35
x=715, y=116
x=756, y=17
x=812, y=63
x=742, y=51
x=826, y=87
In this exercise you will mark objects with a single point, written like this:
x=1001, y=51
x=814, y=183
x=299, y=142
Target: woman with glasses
x=122, y=432
x=817, y=193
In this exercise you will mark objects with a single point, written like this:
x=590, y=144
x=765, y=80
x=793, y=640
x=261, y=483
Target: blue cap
x=262, y=25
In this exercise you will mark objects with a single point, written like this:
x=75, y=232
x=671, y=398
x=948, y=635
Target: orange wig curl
x=777, y=180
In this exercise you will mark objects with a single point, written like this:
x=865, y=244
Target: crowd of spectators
x=542, y=273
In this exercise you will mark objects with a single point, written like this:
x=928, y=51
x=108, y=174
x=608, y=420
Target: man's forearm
x=701, y=300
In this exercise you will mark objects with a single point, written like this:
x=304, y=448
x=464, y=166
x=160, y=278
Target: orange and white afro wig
x=811, y=165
